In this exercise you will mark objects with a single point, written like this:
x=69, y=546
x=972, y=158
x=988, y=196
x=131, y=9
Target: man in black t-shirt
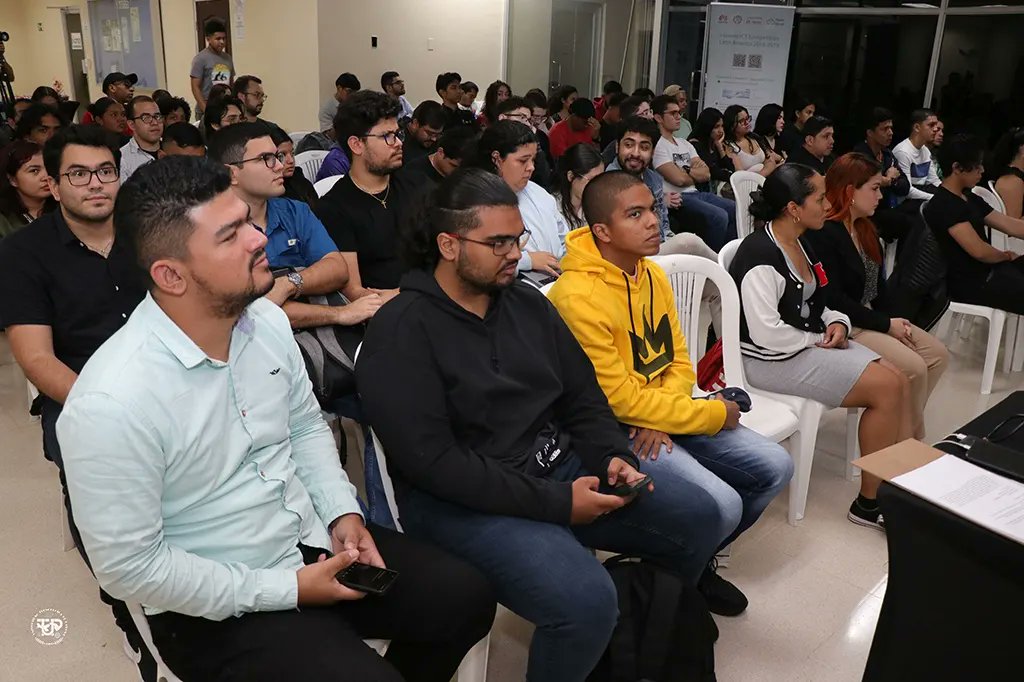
x=422, y=131
x=364, y=210
x=976, y=272
x=449, y=89
x=426, y=173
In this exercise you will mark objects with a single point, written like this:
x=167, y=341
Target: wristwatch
x=296, y=279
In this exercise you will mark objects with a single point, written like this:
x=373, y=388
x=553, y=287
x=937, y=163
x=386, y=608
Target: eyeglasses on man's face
x=499, y=245
x=149, y=118
x=80, y=177
x=390, y=138
x=271, y=159
x=258, y=95
x=521, y=117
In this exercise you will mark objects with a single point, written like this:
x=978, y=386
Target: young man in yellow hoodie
x=621, y=308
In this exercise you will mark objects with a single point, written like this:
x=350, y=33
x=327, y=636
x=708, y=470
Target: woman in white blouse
x=742, y=148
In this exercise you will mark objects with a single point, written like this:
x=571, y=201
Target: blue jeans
x=717, y=213
x=377, y=510
x=544, y=571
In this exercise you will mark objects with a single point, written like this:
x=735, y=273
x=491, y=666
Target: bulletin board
x=126, y=37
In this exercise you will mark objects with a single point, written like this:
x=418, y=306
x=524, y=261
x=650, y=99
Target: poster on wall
x=747, y=55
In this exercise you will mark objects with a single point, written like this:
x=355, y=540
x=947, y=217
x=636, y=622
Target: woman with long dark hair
x=296, y=185
x=792, y=342
x=24, y=191
x=580, y=164
x=708, y=138
x=109, y=114
x=561, y=99
x=851, y=254
x=507, y=149
x=1008, y=171
x=803, y=110
x=497, y=92
x=768, y=127
x=740, y=145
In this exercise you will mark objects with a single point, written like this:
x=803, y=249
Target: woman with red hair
x=851, y=254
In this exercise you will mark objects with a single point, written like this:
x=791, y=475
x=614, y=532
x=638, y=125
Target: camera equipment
x=4, y=36
x=6, y=91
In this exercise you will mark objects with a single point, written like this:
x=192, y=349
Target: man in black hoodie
x=499, y=439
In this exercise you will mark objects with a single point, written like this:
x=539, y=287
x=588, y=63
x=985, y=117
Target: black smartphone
x=367, y=578
x=628, y=489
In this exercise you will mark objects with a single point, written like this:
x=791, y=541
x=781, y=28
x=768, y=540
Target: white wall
x=467, y=37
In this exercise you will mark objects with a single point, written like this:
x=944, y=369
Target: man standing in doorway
x=212, y=65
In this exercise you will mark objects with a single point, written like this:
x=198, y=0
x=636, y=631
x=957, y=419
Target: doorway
x=576, y=45
x=78, y=88
x=209, y=9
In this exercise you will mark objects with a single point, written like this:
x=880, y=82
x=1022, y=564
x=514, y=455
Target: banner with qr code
x=747, y=55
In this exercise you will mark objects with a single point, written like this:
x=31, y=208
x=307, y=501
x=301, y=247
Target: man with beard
x=249, y=91
x=392, y=84
x=208, y=485
x=296, y=239
x=69, y=284
x=365, y=209
x=498, y=437
x=637, y=139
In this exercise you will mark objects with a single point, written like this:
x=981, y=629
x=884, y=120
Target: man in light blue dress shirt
x=207, y=486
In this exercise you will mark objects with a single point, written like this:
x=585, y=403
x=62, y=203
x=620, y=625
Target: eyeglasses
x=230, y=119
x=270, y=159
x=149, y=118
x=501, y=245
x=743, y=121
x=80, y=177
x=677, y=113
x=258, y=95
x=522, y=118
x=397, y=81
x=389, y=137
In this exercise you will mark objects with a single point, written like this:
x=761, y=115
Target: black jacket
x=900, y=187
x=802, y=156
x=720, y=166
x=846, y=276
x=458, y=401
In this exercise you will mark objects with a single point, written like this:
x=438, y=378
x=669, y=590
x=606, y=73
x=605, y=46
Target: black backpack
x=665, y=632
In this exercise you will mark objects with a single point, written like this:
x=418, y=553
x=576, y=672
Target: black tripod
x=6, y=91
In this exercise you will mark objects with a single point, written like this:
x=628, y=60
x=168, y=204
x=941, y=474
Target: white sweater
x=544, y=221
x=916, y=164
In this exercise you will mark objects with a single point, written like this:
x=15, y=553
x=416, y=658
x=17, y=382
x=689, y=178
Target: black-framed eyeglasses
x=149, y=118
x=522, y=118
x=500, y=245
x=389, y=137
x=397, y=81
x=267, y=158
x=261, y=95
x=80, y=177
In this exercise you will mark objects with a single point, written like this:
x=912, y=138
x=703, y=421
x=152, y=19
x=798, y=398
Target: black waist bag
x=329, y=353
x=665, y=632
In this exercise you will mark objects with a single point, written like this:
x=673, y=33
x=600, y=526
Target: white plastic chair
x=809, y=413
x=310, y=162
x=297, y=137
x=995, y=317
x=743, y=183
x=324, y=185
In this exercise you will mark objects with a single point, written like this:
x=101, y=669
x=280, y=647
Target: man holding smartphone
x=207, y=486
x=499, y=438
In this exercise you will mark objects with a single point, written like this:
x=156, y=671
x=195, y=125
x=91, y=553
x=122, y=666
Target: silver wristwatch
x=296, y=279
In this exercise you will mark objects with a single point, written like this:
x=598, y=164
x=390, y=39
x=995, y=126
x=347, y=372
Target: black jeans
x=1003, y=290
x=438, y=608
x=49, y=412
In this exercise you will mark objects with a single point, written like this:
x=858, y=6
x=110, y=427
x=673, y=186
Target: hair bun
x=760, y=209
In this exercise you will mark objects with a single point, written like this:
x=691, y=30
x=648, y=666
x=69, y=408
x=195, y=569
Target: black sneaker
x=869, y=518
x=722, y=596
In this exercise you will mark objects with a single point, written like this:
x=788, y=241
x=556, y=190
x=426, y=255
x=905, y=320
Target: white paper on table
x=988, y=499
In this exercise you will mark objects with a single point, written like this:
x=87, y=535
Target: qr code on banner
x=754, y=61
x=739, y=60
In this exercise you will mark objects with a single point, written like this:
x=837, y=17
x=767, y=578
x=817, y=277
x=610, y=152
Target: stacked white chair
x=310, y=162
x=743, y=183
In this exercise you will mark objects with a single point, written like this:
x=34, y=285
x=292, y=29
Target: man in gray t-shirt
x=211, y=66
x=345, y=85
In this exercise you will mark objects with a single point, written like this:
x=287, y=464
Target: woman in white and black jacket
x=791, y=342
